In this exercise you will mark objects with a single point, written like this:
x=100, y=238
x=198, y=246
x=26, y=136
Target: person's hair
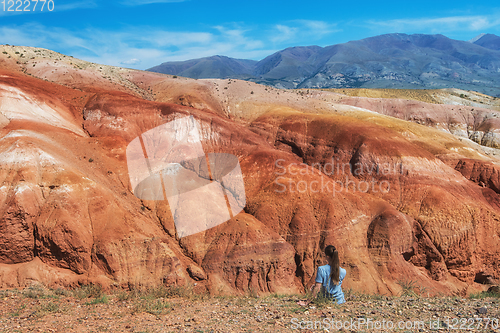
x=334, y=262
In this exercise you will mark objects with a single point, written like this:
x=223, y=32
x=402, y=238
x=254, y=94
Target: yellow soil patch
x=412, y=94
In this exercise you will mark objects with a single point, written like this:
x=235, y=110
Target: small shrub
x=321, y=300
x=409, y=287
x=101, y=300
x=123, y=295
x=175, y=76
x=34, y=292
x=279, y=296
x=152, y=306
x=88, y=291
x=180, y=291
x=61, y=292
x=49, y=307
x=91, y=160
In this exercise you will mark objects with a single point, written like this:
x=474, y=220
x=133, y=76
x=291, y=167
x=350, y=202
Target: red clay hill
x=401, y=201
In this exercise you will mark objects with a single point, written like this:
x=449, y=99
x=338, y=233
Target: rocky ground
x=88, y=309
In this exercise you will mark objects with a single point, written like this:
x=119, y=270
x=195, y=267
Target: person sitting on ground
x=329, y=278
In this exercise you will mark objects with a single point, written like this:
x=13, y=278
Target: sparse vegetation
x=179, y=307
x=88, y=291
x=61, y=292
x=152, y=306
x=484, y=295
x=100, y=300
x=17, y=312
x=123, y=295
x=321, y=301
x=409, y=287
x=38, y=292
x=46, y=308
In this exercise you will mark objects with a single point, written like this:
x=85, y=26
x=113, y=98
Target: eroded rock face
x=434, y=200
x=483, y=173
x=393, y=208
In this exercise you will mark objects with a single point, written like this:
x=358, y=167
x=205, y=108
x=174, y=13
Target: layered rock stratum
x=407, y=190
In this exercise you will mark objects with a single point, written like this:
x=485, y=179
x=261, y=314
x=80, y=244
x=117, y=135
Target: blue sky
x=143, y=33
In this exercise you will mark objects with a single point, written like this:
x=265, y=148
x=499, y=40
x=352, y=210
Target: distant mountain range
x=386, y=61
x=488, y=41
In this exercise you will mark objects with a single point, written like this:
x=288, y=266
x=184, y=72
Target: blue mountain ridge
x=387, y=61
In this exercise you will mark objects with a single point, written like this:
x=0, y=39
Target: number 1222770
x=27, y=5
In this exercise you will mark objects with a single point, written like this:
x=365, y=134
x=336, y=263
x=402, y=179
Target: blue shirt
x=332, y=290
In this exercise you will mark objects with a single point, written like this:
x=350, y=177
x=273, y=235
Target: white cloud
x=284, y=33
x=440, y=24
x=133, y=61
x=137, y=47
x=15, y=36
x=238, y=38
x=167, y=38
x=319, y=27
x=302, y=31
x=74, y=5
x=146, y=2
x=145, y=47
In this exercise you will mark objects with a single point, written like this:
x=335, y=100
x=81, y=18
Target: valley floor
x=88, y=309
